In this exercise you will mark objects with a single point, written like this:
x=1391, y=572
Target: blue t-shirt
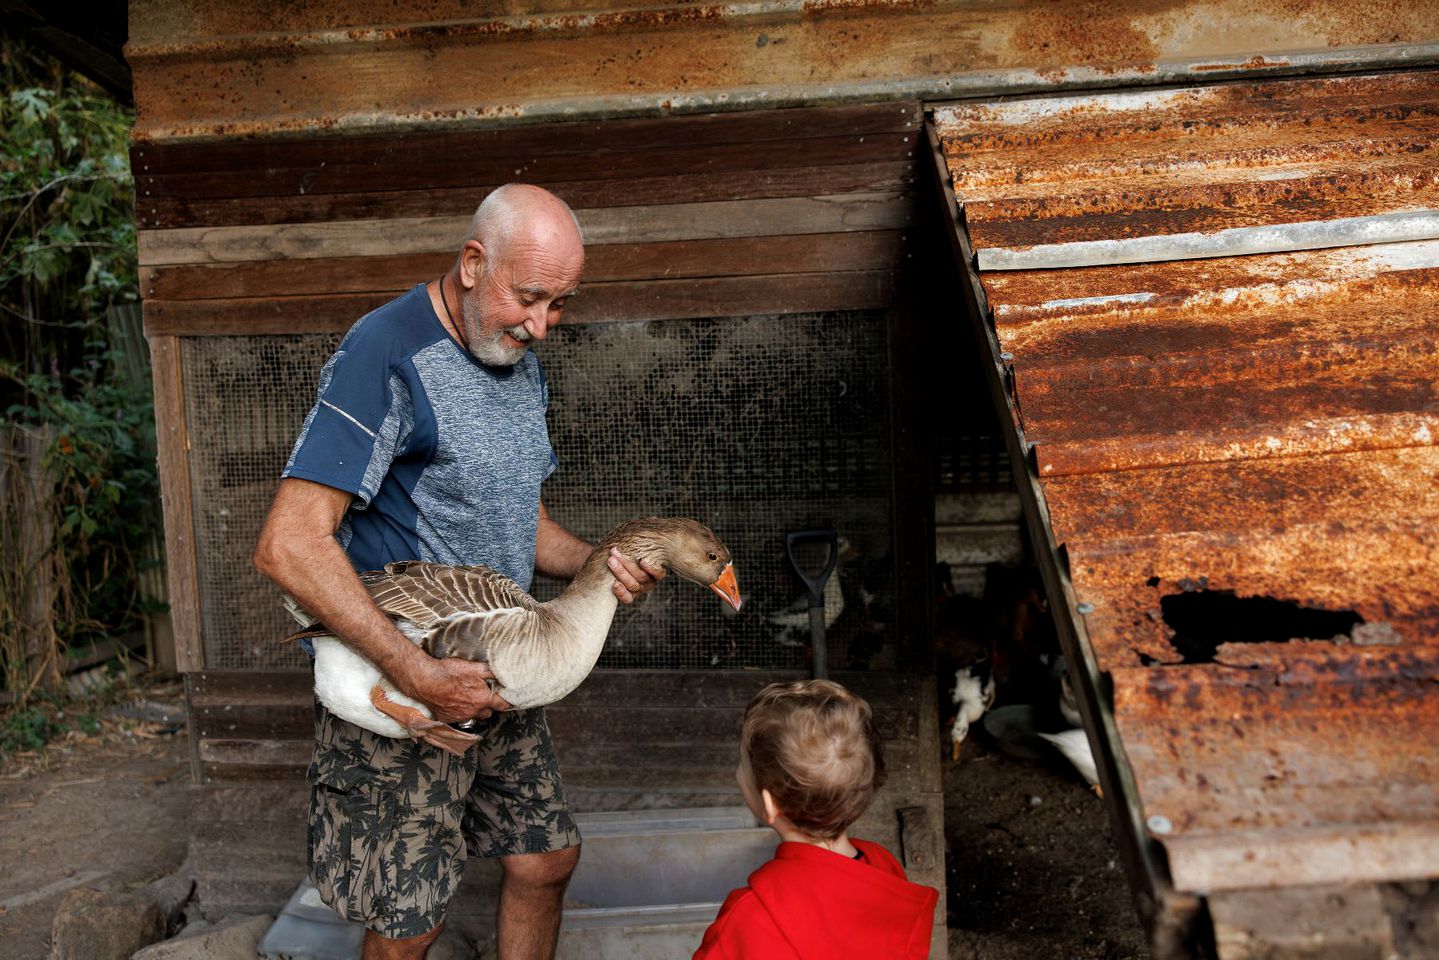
x=444, y=455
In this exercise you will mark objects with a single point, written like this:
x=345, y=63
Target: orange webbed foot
x=420, y=727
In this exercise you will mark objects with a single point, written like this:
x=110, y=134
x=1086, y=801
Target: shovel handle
x=814, y=581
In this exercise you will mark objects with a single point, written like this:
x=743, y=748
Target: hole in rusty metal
x=1204, y=619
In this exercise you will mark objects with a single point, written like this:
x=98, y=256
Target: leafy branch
x=67, y=222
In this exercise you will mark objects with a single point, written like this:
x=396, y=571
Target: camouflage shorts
x=391, y=820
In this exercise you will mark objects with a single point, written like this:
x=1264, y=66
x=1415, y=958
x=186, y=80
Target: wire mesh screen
x=755, y=426
x=967, y=444
x=245, y=398
x=973, y=461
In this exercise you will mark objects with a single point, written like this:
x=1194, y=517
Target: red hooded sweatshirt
x=811, y=904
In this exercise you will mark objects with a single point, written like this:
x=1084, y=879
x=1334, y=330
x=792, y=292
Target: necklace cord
x=459, y=333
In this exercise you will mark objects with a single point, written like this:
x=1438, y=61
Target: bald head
x=517, y=270
x=522, y=211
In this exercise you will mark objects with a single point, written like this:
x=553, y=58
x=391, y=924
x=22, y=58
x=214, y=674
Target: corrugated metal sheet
x=1237, y=453
x=224, y=70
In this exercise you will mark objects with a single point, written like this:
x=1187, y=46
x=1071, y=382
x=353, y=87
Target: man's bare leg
x=414, y=948
x=531, y=896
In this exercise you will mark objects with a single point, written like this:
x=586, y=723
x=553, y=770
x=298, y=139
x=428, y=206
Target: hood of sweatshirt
x=826, y=904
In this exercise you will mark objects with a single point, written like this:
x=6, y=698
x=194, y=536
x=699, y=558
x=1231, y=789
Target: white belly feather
x=343, y=680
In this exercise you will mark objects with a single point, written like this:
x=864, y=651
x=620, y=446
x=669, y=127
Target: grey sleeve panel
x=390, y=440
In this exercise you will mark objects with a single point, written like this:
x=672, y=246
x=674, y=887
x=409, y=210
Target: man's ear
x=472, y=263
x=771, y=809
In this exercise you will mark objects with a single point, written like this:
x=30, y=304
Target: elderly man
x=428, y=441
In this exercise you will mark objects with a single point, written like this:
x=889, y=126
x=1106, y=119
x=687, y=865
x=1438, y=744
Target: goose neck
x=589, y=593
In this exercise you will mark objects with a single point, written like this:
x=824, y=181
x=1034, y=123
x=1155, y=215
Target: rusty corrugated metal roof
x=1237, y=453
x=1199, y=172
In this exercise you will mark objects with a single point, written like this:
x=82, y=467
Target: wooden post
x=27, y=537
x=126, y=324
x=173, y=442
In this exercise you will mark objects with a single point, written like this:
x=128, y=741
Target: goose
x=539, y=652
x=1074, y=744
x=1068, y=703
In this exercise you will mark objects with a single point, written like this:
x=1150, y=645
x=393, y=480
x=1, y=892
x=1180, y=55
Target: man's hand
x=632, y=578
x=559, y=553
x=455, y=690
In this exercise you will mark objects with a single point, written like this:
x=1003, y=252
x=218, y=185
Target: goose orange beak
x=726, y=586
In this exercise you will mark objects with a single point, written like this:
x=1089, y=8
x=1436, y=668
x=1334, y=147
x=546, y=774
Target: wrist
x=410, y=669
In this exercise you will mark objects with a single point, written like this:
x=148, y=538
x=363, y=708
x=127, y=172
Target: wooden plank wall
x=774, y=211
x=721, y=214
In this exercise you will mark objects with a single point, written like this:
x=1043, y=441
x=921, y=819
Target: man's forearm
x=319, y=576
x=558, y=553
x=298, y=551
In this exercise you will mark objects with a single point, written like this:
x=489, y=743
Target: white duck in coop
x=1074, y=744
x=971, y=695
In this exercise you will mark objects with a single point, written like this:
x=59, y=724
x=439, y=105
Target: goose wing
x=427, y=594
x=464, y=611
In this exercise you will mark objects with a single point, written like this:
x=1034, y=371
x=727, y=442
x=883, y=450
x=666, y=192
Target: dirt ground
x=1031, y=867
x=1032, y=870
x=102, y=810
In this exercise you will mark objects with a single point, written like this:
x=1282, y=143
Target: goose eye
x=714, y=556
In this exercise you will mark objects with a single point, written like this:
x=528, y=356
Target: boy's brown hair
x=812, y=745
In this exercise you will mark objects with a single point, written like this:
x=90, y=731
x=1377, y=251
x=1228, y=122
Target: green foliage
x=27, y=728
x=102, y=462
x=66, y=201
x=50, y=714
x=67, y=257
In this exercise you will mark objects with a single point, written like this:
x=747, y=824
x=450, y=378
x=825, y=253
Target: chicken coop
x=840, y=258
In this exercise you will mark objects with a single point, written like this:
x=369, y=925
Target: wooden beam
x=583, y=138
x=292, y=70
x=1314, y=922
x=683, y=187
x=736, y=296
x=467, y=167
x=809, y=253
x=414, y=235
x=599, y=303
x=240, y=760
x=677, y=688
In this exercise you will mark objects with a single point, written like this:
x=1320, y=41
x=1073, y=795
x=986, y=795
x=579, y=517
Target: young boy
x=809, y=765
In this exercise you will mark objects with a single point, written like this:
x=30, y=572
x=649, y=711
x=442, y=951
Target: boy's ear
x=771, y=809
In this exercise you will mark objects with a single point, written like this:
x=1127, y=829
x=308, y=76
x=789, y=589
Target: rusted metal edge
x=1378, y=431
x=1172, y=919
x=1375, y=853
x=1161, y=106
x=562, y=24
x=1322, y=275
x=1395, y=227
x=758, y=96
x=237, y=46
